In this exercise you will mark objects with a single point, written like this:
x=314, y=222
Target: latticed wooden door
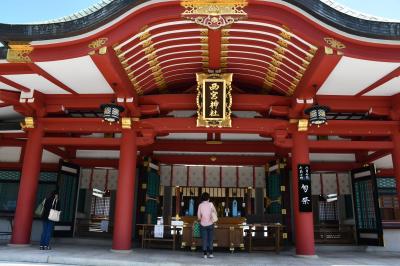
x=365, y=197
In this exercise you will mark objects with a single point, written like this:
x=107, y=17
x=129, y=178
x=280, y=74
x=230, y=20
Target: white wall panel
x=389, y=88
x=212, y=176
x=245, y=176
x=49, y=157
x=385, y=162
x=165, y=175
x=196, y=176
x=229, y=177
x=36, y=82
x=179, y=175
x=79, y=74
x=352, y=75
x=10, y=154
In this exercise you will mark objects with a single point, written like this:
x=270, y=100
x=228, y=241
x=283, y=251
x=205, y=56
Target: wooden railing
x=334, y=234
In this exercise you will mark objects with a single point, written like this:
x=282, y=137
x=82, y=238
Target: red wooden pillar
x=22, y=227
x=396, y=161
x=303, y=221
x=123, y=220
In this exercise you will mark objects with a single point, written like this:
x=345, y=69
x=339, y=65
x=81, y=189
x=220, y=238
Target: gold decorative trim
x=214, y=14
x=103, y=50
x=335, y=44
x=97, y=43
x=284, y=235
x=18, y=52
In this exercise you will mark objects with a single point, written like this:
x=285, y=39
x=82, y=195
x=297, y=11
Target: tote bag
x=54, y=215
x=214, y=216
x=40, y=208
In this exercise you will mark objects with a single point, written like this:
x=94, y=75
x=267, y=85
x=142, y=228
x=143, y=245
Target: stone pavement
x=84, y=254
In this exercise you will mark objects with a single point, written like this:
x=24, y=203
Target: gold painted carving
x=335, y=44
x=286, y=35
x=219, y=87
x=97, y=43
x=280, y=50
x=29, y=122
x=18, y=52
x=126, y=123
x=302, y=125
x=214, y=14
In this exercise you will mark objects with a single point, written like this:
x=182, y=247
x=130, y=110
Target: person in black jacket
x=51, y=202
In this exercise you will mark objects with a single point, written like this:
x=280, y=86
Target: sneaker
x=211, y=256
x=41, y=247
x=47, y=248
x=205, y=256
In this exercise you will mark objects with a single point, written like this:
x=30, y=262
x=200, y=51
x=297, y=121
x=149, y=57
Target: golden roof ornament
x=214, y=14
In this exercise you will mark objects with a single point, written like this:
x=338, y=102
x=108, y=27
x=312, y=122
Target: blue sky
x=23, y=11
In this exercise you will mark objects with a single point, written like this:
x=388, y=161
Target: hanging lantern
x=317, y=114
x=111, y=112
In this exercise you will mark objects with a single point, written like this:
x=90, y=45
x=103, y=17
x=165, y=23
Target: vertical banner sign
x=214, y=100
x=304, y=174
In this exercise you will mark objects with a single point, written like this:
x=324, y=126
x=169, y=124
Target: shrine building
x=287, y=112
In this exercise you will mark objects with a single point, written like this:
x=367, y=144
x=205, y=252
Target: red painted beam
x=212, y=159
x=82, y=142
x=78, y=125
x=80, y=102
x=202, y=146
x=388, y=77
x=257, y=103
x=385, y=172
x=92, y=142
x=112, y=70
x=14, y=84
x=376, y=156
x=333, y=166
x=214, y=49
x=318, y=71
x=51, y=167
x=353, y=103
x=57, y=151
x=14, y=69
x=353, y=128
x=10, y=97
x=239, y=125
x=336, y=145
x=91, y=162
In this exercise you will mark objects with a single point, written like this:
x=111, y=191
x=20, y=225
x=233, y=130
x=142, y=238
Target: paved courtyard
x=85, y=254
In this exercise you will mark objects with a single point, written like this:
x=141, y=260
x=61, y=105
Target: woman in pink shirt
x=204, y=214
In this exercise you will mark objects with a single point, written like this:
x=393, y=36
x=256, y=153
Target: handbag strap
x=54, y=204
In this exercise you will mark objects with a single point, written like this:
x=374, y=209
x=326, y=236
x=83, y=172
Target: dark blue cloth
x=207, y=237
x=47, y=232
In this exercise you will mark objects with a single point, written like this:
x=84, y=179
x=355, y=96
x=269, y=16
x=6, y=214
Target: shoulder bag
x=40, y=208
x=54, y=214
x=214, y=216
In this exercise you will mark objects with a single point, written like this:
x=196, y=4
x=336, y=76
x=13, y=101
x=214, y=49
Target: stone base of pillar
x=307, y=256
x=121, y=251
x=19, y=245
